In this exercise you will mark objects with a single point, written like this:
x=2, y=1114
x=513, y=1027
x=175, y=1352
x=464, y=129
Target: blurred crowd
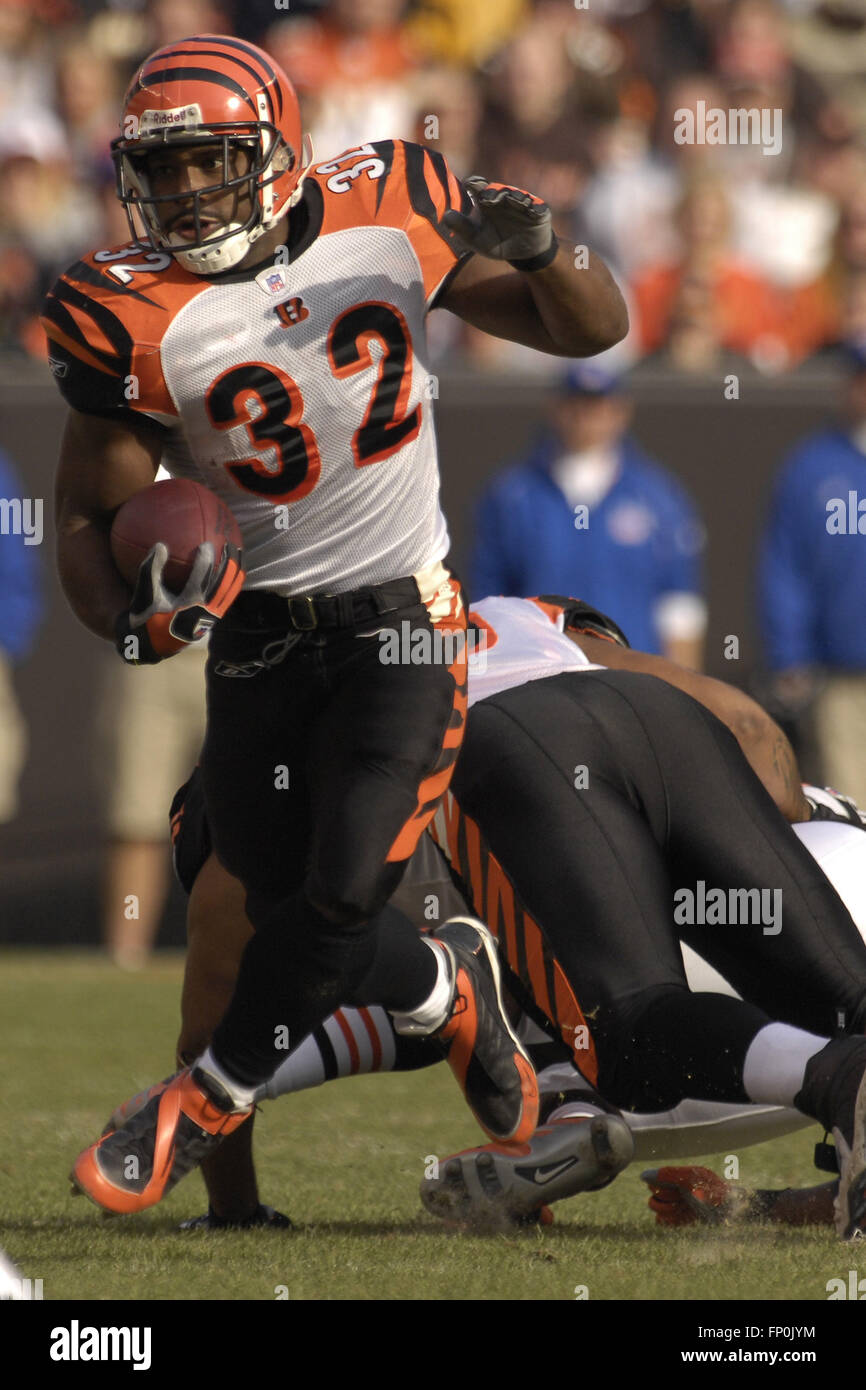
x=746, y=252
x=734, y=255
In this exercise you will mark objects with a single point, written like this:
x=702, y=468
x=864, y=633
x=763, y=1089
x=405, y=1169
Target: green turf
x=345, y=1162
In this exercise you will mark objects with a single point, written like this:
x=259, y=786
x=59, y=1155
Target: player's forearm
x=771, y=756
x=582, y=310
x=93, y=587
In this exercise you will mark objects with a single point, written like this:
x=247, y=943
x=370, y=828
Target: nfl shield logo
x=272, y=280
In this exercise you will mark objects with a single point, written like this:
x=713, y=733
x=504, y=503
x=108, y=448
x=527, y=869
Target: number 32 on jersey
x=279, y=406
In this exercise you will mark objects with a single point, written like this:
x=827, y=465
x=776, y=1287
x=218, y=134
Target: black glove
x=507, y=224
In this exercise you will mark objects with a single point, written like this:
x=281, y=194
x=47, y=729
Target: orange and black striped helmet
x=211, y=90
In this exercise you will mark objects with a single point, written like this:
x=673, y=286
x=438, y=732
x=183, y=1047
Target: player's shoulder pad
x=105, y=319
x=396, y=183
x=578, y=617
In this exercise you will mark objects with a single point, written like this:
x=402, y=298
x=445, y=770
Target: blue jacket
x=20, y=596
x=642, y=540
x=812, y=580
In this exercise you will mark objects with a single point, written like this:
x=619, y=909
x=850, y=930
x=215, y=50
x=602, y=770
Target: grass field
x=344, y=1162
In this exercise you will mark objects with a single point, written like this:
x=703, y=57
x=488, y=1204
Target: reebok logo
x=77, y=1343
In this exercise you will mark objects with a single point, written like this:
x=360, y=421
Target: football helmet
x=208, y=90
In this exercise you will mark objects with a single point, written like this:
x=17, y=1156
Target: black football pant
x=321, y=767
x=600, y=795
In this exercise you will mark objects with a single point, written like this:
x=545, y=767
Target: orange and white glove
x=159, y=623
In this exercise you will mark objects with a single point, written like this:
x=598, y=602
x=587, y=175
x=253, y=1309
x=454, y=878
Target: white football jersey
x=299, y=391
x=520, y=639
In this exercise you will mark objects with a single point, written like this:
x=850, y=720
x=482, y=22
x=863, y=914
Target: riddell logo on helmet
x=186, y=117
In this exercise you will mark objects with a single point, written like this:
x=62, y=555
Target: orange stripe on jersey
x=552, y=610
x=346, y=1030
x=56, y=335
x=534, y=946
x=435, y=784
x=499, y=906
x=491, y=634
x=122, y=301
x=412, y=193
x=473, y=852
x=451, y=816
x=573, y=1026
x=90, y=329
x=373, y=1035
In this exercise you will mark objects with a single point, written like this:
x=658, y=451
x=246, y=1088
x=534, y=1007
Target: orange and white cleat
x=687, y=1196
x=133, y=1167
x=492, y=1068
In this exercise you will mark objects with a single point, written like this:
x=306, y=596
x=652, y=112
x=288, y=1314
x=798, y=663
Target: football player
x=264, y=334
x=651, y=1042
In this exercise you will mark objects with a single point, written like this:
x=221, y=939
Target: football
x=180, y=513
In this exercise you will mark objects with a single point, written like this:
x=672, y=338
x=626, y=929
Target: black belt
x=305, y=612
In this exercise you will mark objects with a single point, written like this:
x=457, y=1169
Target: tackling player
x=671, y=1043
x=270, y=343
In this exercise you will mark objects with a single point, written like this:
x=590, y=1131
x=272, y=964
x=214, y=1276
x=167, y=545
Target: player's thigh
x=579, y=854
x=381, y=755
x=254, y=776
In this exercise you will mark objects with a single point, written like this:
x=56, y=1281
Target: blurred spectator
x=153, y=723
x=47, y=218
x=587, y=513
x=829, y=41
x=172, y=20
x=453, y=97
x=20, y=614
x=693, y=341
x=89, y=91
x=451, y=31
x=747, y=313
x=812, y=579
x=628, y=212
x=531, y=132
x=354, y=69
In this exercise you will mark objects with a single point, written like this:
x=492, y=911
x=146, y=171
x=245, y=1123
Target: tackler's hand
x=159, y=623
x=507, y=224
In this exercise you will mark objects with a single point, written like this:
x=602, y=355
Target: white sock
x=372, y=1049
x=242, y=1096
x=435, y=1009
x=776, y=1063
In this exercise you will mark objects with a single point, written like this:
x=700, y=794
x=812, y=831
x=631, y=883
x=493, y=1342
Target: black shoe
x=491, y=1066
x=262, y=1216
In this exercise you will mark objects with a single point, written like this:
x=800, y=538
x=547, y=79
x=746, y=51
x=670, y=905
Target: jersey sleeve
x=103, y=345
x=418, y=188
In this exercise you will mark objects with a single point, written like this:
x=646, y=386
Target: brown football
x=180, y=513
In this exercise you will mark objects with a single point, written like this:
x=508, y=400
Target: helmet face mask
x=209, y=99
x=135, y=161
